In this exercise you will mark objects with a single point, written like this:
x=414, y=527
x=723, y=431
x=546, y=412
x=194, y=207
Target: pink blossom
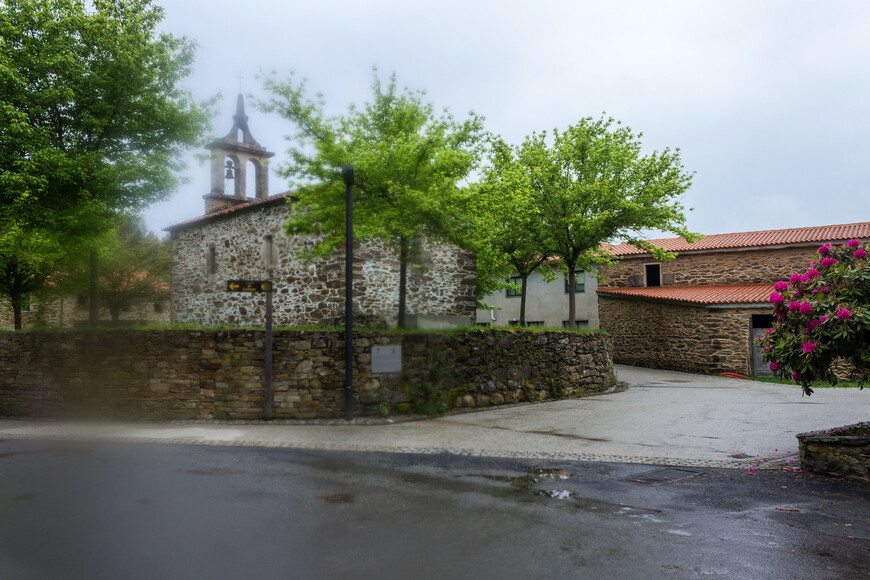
x=794, y=305
x=812, y=273
x=827, y=262
x=805, y=278
x=806, y=308
x=821, y=289
x=795, y=278
x=777, y=298
x=825, y=248
x=859, y=253
x=852, y=243
x=775, y=366
x=844, y=314
x=796, y=377
x=780, y=286
x=809, y=347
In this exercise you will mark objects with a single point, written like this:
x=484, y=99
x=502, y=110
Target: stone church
x=240, y=237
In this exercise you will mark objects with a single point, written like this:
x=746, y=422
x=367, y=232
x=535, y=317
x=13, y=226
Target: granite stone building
x=242, y=238
x=701, y=311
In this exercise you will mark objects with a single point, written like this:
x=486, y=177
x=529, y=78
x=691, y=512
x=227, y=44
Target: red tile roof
x=714, y=294
x=818, y=234
x=228, y=211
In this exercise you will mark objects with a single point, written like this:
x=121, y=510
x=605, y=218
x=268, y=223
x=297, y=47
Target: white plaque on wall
x=387, y=359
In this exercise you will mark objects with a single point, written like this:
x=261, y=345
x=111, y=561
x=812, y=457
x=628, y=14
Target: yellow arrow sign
x=249, y=286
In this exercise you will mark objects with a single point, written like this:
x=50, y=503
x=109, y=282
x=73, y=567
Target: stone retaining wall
x=832, y=453
x=212, y=374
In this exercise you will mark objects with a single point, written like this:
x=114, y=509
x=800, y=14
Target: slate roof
x=791, y=236
x=713, y=294
x=250, y=204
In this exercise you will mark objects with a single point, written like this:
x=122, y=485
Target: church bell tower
x=232, y=157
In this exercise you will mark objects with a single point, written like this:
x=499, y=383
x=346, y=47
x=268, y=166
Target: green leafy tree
x=592, y=184
x=30, y=267
x=506, y=229
x=409, y=166
x=822, y=316
x=134, y=268
x=93, y=118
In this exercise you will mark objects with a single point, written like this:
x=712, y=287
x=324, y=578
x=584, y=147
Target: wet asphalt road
x=112, y=510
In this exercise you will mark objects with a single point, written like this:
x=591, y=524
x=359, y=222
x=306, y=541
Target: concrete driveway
x=660, y=417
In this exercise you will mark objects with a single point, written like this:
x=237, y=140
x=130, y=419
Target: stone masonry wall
x=306, y=294
x=726, y=267
x=211, y=374
x=836, y=452
x=678, y=337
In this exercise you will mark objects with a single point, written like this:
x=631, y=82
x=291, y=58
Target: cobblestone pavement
x=658, y=417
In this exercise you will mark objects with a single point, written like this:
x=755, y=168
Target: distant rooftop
x=713, y=294
x=791, y=236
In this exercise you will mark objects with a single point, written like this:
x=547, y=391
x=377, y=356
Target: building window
x=579, y=282
x=528, y=324
x=25, y=303
x=269, y=251
x=518, y=280
x=484, y=324
x=82, y=300
x=577, y=324
x=158, y=307
x=653, y=274
x=211, y=261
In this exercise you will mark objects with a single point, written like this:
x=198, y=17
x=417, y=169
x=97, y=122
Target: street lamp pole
x=347, y=174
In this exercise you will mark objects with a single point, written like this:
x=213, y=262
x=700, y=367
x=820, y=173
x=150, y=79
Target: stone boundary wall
x=724, y=267
x=218, y=374
x=678, y=336
x=831, y=452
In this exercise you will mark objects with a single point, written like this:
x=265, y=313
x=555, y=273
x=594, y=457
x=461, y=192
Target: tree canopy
x=588, y=185
x=409, y=168
x=93, y=118
x=31, y=267
x=134, y=268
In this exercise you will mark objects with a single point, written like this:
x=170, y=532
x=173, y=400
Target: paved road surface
x=71, y=510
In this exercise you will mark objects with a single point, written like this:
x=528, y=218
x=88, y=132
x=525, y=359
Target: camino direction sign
x=249, y=286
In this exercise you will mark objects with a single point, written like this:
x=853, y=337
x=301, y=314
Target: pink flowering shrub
x=822, y=315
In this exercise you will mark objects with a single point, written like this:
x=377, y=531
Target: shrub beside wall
x=218, y=374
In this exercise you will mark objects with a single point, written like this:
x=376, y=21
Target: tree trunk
x=523, y=300
x=403, y=280
x=94, y=290
x=16, y=314
x=572, y=292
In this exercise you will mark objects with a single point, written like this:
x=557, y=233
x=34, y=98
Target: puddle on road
x=556, y=493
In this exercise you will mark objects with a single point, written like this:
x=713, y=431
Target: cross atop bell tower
x=230, y=159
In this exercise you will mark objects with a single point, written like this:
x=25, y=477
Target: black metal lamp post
x=347, y=174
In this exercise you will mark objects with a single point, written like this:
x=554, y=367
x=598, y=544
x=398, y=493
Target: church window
x=211, y=261
x=268, y=251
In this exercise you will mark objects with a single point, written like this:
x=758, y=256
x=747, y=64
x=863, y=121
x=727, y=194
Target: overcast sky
x=767, y=100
